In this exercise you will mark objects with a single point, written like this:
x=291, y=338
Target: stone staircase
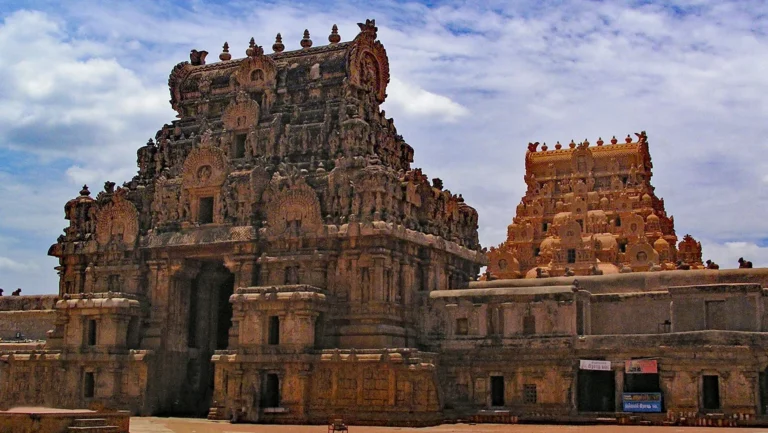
x=216, y=413
x=91, y=425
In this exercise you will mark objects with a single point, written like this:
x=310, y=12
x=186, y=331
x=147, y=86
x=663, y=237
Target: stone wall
x=31, y=317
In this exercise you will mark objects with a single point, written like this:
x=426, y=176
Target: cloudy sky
x=83, y=85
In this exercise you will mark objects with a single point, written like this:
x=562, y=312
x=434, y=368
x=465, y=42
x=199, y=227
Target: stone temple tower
x=271, y=259
x=590, y=210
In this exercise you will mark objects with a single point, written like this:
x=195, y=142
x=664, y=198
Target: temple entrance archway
x=204, y=301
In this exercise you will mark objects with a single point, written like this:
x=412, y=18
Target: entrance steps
x=91, y=425
x=216, y=413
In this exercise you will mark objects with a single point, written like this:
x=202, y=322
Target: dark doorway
x=497, y=391
x=271, y=391
x=711, y=397
x=205, y=210
x=274, y=330
x=207, y=325
x=597, y=391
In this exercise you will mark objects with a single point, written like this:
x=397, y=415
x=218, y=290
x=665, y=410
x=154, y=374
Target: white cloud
x=416, y=101
x=8, y=264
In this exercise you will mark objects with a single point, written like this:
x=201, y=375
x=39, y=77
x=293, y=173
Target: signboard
x=641, y=366
x=585, y=364
x=641, y=401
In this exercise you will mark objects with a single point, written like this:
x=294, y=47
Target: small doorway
x=497, y=390
x=597, y=391
x=711, y=392
x=271, y=391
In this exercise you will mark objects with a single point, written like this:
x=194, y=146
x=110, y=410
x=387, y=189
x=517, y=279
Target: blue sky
x=83, y=86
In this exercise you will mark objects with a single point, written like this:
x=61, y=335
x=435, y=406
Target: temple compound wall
x=24, y=318
x=277, y=259
x=571, y=346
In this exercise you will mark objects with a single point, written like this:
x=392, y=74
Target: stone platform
x=51, y=420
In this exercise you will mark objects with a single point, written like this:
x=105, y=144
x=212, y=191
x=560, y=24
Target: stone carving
x=117, y=222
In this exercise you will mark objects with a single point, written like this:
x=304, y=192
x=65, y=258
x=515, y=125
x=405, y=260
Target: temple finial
x=278, y=46
x=305, y=41
x=251, y=48
x=224, y=56
x=334, y=37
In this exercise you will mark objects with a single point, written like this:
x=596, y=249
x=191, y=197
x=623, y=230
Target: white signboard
x=585, y=364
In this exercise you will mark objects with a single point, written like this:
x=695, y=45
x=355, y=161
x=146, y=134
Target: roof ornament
x=614, y=140
x=368, y=26
x=628, y=139
x=306, y=42
x=197, y=58
x=558, y=146
x=251, y=47
x=224, y=56
x=600, y=141
x=544, y=147
x=572, y=144
x=85, y=192
x=334, y=37
x=278, y=46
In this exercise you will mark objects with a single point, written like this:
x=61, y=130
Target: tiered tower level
x=591, y=210
x=277, y=217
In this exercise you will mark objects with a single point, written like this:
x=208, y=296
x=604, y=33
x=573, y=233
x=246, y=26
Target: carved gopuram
x=591, y=210
x=271, y=259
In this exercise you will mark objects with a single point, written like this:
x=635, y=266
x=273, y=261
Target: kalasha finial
x=85, y=192
x=614, y=140
x=585, y=143
x=278, y=46
x=600, y=141
x=558, y=146
x=572, y=144
x=334, y=37
x=544, y=147
x=251, y=48
x=628, y=139
x=305, y=41
x=224, y=56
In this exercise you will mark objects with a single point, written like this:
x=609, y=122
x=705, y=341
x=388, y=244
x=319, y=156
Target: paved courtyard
x=181, y=425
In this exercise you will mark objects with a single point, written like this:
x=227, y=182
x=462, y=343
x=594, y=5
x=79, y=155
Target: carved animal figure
x=541, y=273
x=569, y=272
x=16, y=292
x=744, y=263
x=712, y=265
x=197, y=58
x=594, y=270
x=682, y=266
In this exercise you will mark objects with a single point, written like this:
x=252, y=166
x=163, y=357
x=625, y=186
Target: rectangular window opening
x=462, y=326
x=529, y=324
x=205, y=210
x=92, y=332
x=240, y=145
x=274, y=330
x=571, y=255
x=530, y=395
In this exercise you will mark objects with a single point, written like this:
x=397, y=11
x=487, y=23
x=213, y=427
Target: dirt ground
x=181, y=425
